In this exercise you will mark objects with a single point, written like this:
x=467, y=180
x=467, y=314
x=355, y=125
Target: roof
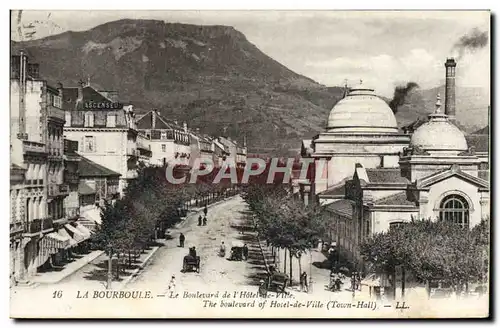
x=146, y=122
x=396, y=199
x=88, y=168
x=485, y=130
x=85, y=189
x=480, y=142
x=70, y=96
x=484, y=174
x=335, y=191
x=386, y=175
x=343, y=207
x=447, y=173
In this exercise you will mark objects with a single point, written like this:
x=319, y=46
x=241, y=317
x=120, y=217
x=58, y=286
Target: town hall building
x=376, y=177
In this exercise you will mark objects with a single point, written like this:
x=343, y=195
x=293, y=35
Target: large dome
x=362, y=111
x=439, y=135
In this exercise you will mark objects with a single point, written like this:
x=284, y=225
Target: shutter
x=81, y=147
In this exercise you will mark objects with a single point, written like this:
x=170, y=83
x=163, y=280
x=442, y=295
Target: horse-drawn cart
x=191, y=263
x=236, y=251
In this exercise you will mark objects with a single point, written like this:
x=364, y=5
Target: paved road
x=225, y=223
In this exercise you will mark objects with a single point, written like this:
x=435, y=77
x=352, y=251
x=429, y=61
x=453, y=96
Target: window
x=57, y=102
x=164, y=148
x=163, y=135
x=395, y=225
x=89, y=144
x=89, y=119
x=484, y=166
x=111, y=121
x=454, y=209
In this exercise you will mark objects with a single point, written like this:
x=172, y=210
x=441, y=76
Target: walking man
x=303, y=282
x=205, y=221
x=199, y=220
x=182, y=238
x=245, y=252
x=205, y=210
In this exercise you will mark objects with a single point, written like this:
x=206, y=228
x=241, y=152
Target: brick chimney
x=449, y=102
x=80, y=91
x=153, y=119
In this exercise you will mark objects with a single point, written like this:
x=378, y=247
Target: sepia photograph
x=204, y=164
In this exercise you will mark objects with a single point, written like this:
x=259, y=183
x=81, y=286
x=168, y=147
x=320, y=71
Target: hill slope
x=213, y=78
x=210, y=76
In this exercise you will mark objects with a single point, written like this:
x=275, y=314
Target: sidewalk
x=70, y=268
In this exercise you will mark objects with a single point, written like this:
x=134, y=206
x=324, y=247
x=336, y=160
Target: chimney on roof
x=60, y=89
x=185, y=126
x=81, y=84
x=449, y=102
x=153, y=119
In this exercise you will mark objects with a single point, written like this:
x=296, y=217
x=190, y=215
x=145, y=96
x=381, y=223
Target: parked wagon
x=236, y=252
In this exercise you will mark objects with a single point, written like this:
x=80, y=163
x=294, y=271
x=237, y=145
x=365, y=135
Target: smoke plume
x=400, y=94
x=470, y=42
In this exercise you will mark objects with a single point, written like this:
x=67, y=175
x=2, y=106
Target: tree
x=430, y=250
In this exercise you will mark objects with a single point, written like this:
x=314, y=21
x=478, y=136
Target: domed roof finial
x=438, y=104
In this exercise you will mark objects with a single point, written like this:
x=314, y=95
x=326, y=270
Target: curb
x=136, y=272
x=87, y=261
x=261, y=248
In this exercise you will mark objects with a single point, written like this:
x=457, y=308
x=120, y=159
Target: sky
x=384, y=49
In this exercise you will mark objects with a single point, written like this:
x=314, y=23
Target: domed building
x=372, y=177
x=361, y=129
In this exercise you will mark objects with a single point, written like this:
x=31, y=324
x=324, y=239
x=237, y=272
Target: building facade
x=169, y=142
x=37, y=196
x=104, y=129
x=382, y=178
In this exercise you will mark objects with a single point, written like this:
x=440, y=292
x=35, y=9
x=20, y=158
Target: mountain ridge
x=210, y=76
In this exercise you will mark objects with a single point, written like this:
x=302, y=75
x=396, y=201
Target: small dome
x=439, y=134
x=362, y=111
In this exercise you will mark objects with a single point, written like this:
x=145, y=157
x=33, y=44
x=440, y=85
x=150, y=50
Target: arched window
x=454, y=209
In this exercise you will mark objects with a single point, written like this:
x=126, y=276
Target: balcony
x=55, y=113
x=55, y=190
x=16, y=227
x=38, y=225
x=33, y=147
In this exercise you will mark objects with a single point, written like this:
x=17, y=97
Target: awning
x=71, y=242
x=55, y=241
x=85, y=189
x=86, y=232
x=371, y=280
x=92, y=215
x=77, y=234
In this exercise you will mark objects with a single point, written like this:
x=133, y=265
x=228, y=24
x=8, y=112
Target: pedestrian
x=303, y=282
x=172, y=288
x=205, y=210
x=245, y=252
x=182, y=238
x=199, y=220
x=205, y=221
x=222, y=250
x=192, y=252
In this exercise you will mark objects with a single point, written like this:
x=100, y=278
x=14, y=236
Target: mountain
x=472, y=106
x=213, y=78
x=209, y=76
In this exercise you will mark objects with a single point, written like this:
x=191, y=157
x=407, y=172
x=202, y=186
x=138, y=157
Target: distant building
x=169, y=142
x=105, y=130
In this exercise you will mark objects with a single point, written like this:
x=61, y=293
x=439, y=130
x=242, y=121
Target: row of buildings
x=72, y=148
x=378, y=175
